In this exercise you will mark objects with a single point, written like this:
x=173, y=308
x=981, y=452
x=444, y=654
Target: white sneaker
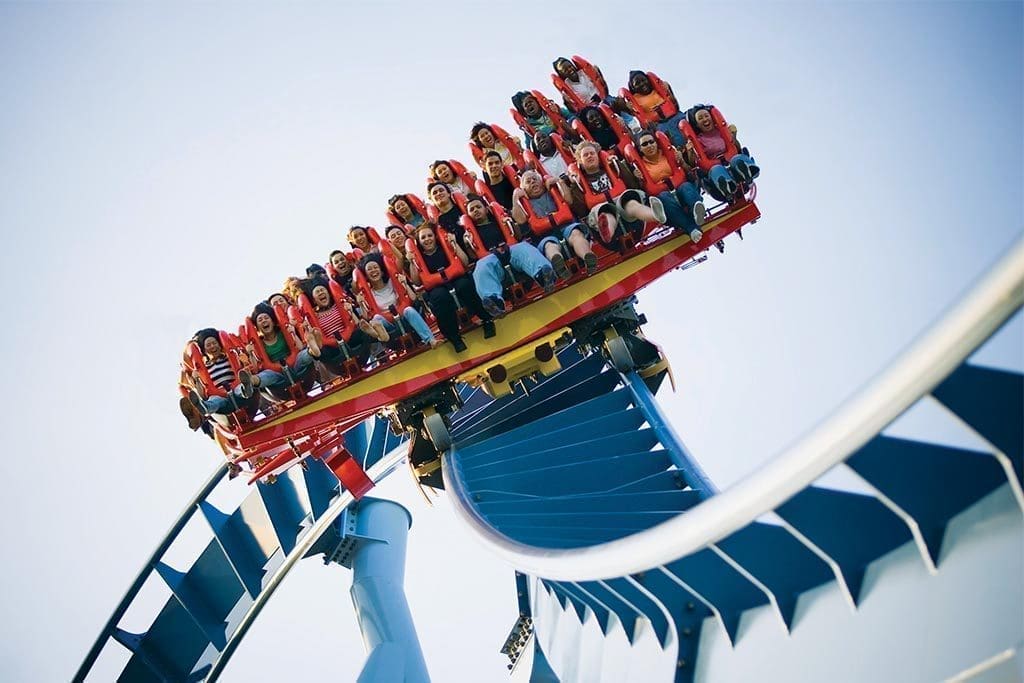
x=696, y=235
x=700, y=213
x=658, y=208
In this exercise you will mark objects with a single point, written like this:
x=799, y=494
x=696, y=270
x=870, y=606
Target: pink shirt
x=713, y=144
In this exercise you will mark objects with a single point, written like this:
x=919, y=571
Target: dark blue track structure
x=581, y=474
x=580, y=483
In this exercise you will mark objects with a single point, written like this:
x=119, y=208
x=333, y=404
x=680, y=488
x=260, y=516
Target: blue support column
x=373, y=545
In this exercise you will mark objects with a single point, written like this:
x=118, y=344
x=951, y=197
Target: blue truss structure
x=215, y=600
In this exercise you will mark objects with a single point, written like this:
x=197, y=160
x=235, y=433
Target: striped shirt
x=331, y=321
x=220, y=372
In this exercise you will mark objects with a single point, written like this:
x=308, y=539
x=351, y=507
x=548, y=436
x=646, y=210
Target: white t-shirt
x=554, y=165
x=585, y=89
x=386, y=296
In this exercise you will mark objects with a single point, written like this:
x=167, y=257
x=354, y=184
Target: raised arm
x=518, y=213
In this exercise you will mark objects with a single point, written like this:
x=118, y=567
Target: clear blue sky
x=166, y=166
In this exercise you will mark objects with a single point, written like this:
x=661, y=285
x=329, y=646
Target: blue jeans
x=688, y=194
x=671, y=129
x=360, y=346
x=223, y=405
x=675, y=214
x=489, y=272
x=732, y=173
x=414, y=320
x=272, y=379
x=562, y=232
x=678, y=205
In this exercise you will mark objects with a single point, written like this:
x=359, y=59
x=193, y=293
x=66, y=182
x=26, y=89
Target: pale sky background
x=164, y=167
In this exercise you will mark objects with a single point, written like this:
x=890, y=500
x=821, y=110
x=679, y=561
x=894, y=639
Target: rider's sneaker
x=561, y=270
x=700, y=213
x=489, y=330
x=191, y=412
x=604, y=228
x=696, y=235
x=590, y=261
x=658, y=209
x=494, y=306
x=742, y=170
x=546, y=278
x=245, y=383
x=726, y=186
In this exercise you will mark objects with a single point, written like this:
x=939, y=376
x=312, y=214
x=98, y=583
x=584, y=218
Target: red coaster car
x=572, y=100
x=505, y=139
x=613, y=121
x=533, y=161
x=705, y=161
x=415, y=203
x=652, y=186
x=548, y=107
x=663, y=112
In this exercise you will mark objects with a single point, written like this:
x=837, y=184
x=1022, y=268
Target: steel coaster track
x=253, y=549
x=631, y=544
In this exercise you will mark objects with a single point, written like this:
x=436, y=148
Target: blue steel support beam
x=378, y=576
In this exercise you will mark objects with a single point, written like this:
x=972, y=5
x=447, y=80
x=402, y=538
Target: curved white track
x=912, y=375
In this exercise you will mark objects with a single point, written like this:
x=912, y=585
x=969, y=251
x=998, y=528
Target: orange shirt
x=659, y=169
x=650, y=100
